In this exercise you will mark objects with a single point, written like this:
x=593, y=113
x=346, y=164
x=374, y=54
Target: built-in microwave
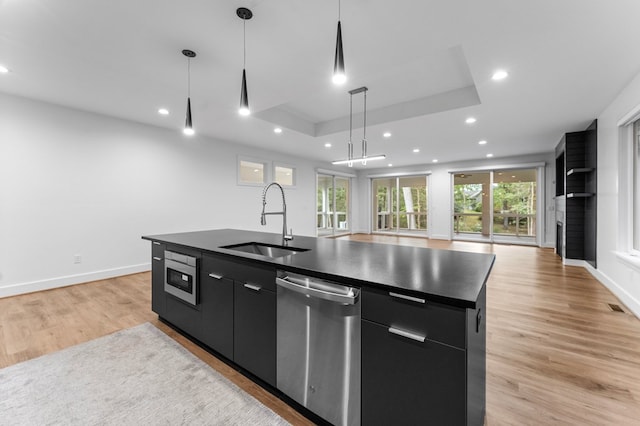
x=181, y=276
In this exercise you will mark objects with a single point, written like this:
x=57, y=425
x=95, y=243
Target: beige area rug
x=138, y=376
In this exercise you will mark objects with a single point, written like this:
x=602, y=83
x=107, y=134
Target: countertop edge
x=434, y=297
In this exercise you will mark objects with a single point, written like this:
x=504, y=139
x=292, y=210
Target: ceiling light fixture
x=349, y=161
x=386, y=134
x=389, y=165
x=489, y=155
x=416, y=150
x=244, y=14
x=163, y=111
x=339, y=75
x=499, y=75
x=470, y=120
x=277, y=130
x=3, y=69
x=327, y=145
x=188, y=123
x=435, y=160
x=482, y=142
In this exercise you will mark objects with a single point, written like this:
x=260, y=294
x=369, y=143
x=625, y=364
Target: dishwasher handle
x=351, y=298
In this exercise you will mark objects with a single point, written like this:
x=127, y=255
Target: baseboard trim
x=440, y=237
x=30, y=287
x=627, y=299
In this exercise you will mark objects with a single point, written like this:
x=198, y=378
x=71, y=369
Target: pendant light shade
x=244, y=97
x=244, y=14
x=188, y=123
x=339, y=74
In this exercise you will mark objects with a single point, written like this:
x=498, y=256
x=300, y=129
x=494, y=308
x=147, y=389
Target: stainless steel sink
x=268, y=250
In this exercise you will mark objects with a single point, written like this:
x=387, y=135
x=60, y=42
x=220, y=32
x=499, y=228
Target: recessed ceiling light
x=470, y=120
x=386, y=134
x=163, y=111
x=389, y=165
x=435, y=160
x=489, y=155
x=499, y=75
x=416, y=150
x=327, y=145
x=482, y=142
x=277, y=130
x=3, y=69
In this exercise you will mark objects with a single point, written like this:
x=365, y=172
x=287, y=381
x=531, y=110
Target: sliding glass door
x=400, y=204
x=496, y=206
x=332, y=205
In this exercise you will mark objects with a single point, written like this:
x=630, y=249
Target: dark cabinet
x=217, y=305
x=157, y=278
x=406, y=382
x=254, y=346
x=185, y=316
x=422, y=362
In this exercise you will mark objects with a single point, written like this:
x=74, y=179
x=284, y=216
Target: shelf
x=580, y=195
x=579, y=170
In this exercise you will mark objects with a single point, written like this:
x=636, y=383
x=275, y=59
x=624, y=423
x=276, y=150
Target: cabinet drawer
x=405, y=382
x=186, y=317
x=238, y=270
x=157, y=250
x=438, y=322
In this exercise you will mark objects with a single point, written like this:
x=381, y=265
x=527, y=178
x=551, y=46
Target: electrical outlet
x=77, y=258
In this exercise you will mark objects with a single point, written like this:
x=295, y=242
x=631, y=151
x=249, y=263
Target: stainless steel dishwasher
x=318, y=346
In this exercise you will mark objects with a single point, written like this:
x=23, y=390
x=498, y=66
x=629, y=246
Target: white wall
x=622, y=278
x=440, y=191
x=73, y=182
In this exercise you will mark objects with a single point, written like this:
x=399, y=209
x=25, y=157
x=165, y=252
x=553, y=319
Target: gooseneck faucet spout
x=263, y=217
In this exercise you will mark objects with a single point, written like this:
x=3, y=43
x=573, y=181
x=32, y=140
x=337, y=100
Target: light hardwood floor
x=556, y=353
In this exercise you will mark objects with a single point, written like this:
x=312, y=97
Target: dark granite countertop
x=446, y=276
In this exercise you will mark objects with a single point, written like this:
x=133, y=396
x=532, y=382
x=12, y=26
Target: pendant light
x=364, y=158
x=188, y=124
x=339, y=75
x=244, y=14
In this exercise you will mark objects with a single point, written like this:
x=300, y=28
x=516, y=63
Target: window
x=252, y=172
x=400, y=204
x=284, y=174
x=636, y=186
x=497, y=206
x=333, y=199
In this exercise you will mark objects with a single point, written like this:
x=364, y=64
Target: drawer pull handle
x=407, y=334
x=405, y=297
x=156, y=258
x=253, y=287
x=216, y=276
x=156, y=243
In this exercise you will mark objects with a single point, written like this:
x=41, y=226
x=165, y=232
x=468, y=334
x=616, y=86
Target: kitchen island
x=421, y=335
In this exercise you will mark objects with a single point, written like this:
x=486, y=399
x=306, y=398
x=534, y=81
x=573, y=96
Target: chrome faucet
x=263, y=220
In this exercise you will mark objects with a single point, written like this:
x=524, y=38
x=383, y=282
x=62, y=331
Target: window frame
x=266, y=175
x=294, y=174
x=627, y=211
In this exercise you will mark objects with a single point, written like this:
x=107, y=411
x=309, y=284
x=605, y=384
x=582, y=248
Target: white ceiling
x=427, y=65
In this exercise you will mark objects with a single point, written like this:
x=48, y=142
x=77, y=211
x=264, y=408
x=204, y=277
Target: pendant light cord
x=364, y=128
x=339, y=8
x=350, y=148
x=244, y=43
x=189, y=77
